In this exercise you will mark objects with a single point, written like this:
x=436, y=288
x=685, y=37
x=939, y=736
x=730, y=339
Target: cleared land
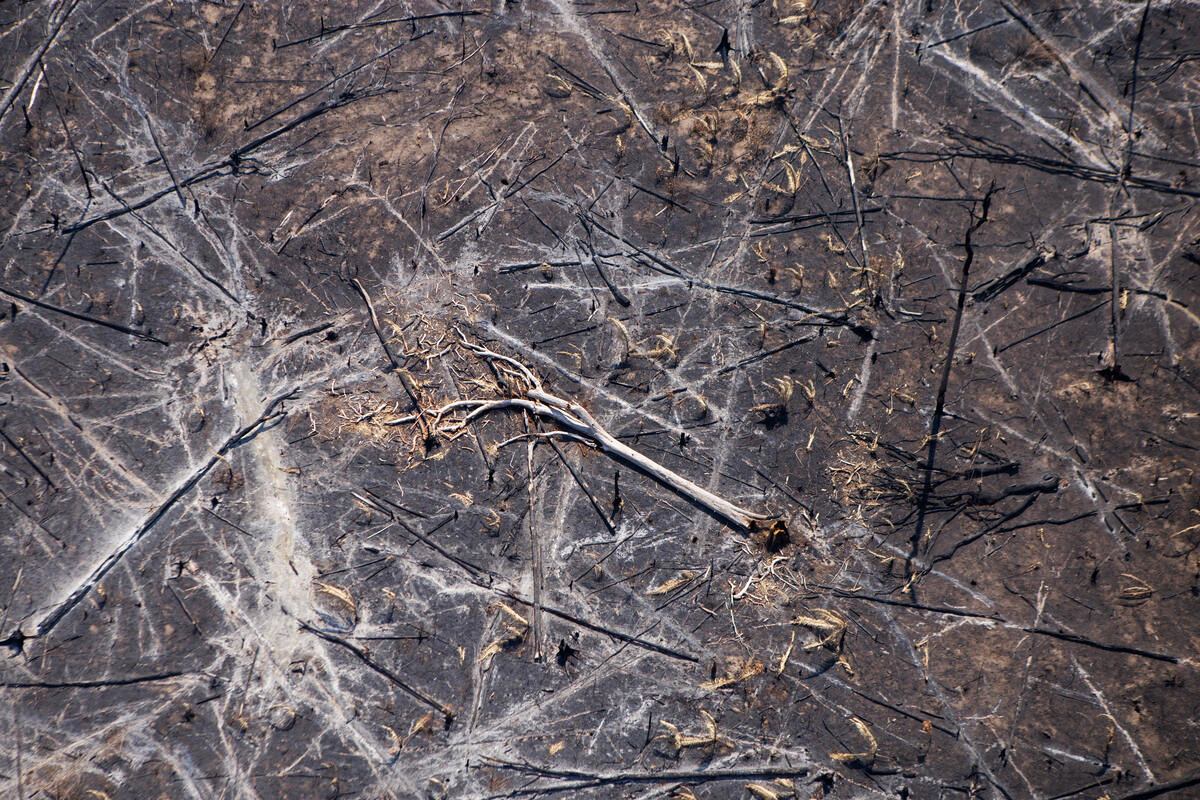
x=917, y=279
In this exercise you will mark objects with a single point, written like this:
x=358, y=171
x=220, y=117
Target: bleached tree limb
x=530, y=396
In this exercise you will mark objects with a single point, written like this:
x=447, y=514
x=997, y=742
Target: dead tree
x=523, y=391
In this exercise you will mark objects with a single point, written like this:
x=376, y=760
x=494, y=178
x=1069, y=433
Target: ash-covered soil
x=918, y=279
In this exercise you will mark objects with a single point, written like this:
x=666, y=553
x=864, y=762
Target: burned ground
x=917, y=278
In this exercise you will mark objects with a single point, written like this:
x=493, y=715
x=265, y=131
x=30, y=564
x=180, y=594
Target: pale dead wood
x=573, y=420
